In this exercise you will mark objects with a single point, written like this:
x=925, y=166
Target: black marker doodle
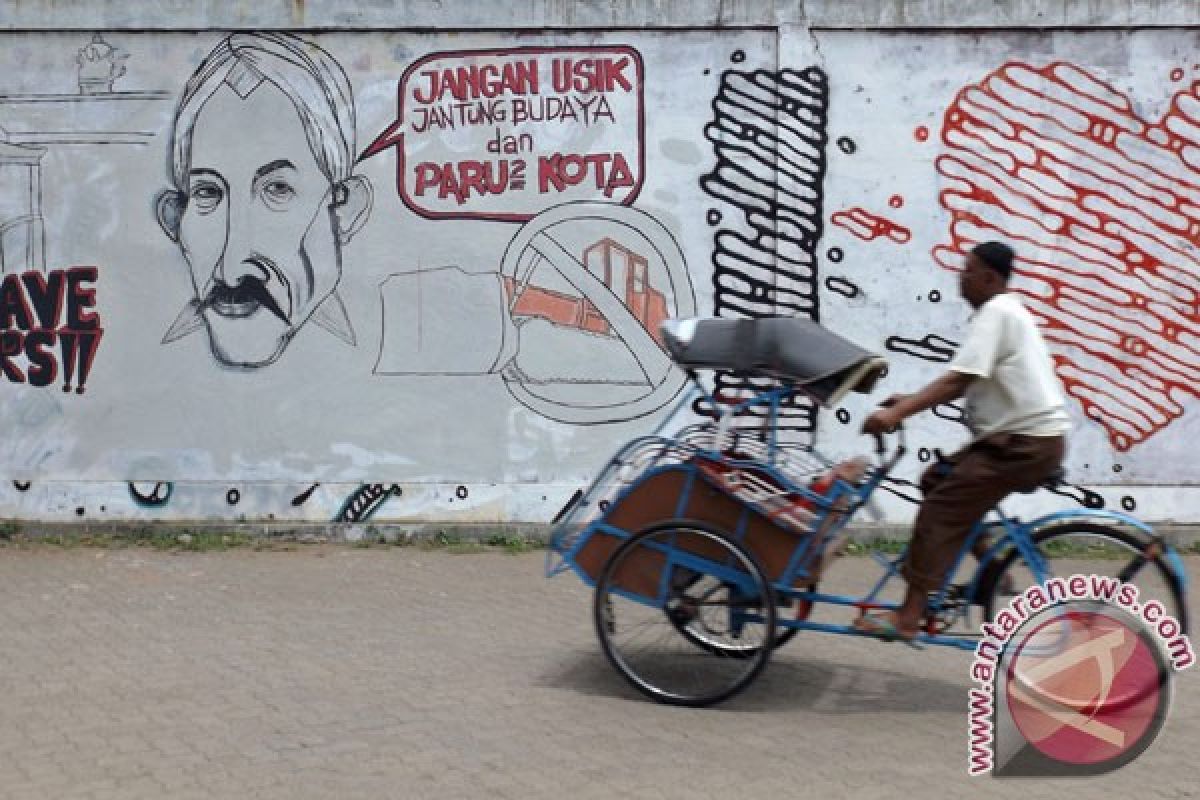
x=769, y=136
x=931, y=347
x=302, y=498
x=951, y=412
x=151, y=495
x=365, y=501
x=840, y=285
x=846, y=145
x=1084, y=497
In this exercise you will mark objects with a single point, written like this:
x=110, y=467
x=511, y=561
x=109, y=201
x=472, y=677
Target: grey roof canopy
x=790, y=349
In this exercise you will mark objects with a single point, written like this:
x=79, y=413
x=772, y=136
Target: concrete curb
x=1185, y=536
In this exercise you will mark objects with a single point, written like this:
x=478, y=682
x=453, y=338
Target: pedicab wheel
x=697, y=631
x=644, y=595
x=1089, y=548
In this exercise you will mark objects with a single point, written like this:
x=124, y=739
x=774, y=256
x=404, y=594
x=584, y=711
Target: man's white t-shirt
x=1016, y=390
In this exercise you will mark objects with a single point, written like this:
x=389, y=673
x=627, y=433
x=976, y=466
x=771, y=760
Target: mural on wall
x=1056, y=160
x=261, y=220
x=493, y=266
x=569, y=317
x=151, y=495
x=22, y=229
x=484, y=125
x=769, y=136
x=1099, y=199
x=49, y=327
x=365, y=501
x=96, y=113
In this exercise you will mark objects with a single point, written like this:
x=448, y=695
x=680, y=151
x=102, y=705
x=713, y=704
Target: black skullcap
x=996, y=255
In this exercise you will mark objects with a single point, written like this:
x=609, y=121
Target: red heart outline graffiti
x=1103, y=208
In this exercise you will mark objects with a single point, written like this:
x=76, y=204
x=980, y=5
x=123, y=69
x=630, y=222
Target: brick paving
x=341, y=672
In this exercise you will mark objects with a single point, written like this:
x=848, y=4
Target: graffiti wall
x=405, y=276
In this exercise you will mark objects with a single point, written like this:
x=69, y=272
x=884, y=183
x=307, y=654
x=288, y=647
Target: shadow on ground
x=785, y=685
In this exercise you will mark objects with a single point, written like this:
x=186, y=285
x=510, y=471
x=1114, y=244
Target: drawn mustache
x=242, y=299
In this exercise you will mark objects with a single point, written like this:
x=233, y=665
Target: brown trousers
x=958, y=494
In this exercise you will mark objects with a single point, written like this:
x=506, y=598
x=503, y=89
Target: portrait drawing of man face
x=263, y=197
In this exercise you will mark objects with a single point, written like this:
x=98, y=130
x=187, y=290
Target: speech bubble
x=505, y=134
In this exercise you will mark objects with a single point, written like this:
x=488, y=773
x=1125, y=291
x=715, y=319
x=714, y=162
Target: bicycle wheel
x=1090, y=548
x=645, y=599
x=707, y=631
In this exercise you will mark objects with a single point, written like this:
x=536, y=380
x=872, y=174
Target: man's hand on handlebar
x=884, y=419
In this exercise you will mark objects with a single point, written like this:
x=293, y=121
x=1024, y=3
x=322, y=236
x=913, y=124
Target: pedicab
x=707, y=549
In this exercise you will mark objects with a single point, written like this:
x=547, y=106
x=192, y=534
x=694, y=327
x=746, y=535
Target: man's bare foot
x=887, y=626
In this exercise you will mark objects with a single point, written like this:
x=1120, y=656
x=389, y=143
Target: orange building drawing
x=623, y=271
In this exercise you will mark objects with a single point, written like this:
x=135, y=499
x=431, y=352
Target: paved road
x=339, y=672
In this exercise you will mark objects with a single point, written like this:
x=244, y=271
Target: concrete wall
x=455, y=230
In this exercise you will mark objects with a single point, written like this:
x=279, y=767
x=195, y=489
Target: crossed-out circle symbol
x=542, y=239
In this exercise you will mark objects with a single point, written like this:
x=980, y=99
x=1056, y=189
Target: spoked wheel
x=691, y=633
x=1088, y=548
x=706, y=630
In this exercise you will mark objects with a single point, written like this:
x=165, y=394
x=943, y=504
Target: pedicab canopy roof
x=789, y=349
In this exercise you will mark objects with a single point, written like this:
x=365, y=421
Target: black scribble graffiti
x=366, y=500
x=903, y=488
x=769, y=137
x=302, y=498
x=950, y=412
x=294, y=127
x=846, y=145
x=22, y=486
x=840, y=285
x=151, y=495
x=1081, y=495
x=931, y=347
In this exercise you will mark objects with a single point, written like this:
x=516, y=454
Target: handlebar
x=881, y=448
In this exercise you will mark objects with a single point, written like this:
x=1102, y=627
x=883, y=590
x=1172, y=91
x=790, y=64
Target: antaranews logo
x=1074, y=679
